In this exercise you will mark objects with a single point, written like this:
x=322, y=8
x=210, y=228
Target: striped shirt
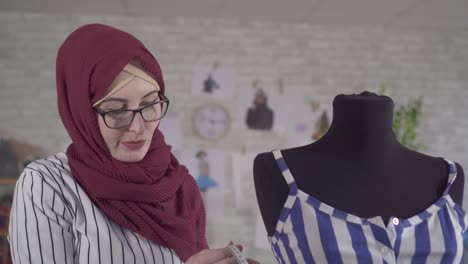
x=309, y=231
x=53, y=220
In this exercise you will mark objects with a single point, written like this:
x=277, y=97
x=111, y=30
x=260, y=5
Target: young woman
x=117, y=195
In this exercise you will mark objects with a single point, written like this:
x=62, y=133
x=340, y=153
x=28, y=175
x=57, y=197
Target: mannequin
x=358, y=167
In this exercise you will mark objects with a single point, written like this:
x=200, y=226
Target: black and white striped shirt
x=53, y=220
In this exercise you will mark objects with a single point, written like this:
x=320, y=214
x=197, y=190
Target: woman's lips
x=134, y=144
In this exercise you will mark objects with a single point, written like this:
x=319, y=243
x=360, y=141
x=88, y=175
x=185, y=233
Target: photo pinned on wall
x=208, y=169
x=311, y=125
x=301, y=120
x=321, y=125
x=171, y=128
x=254, y=109
x=242, y=170
x=204, y=181
x=215, y=80
x=280, y=109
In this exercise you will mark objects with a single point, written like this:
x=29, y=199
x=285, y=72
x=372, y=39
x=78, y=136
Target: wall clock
x=211, y=121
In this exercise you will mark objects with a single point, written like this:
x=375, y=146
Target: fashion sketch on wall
x=207, y=166
x=321, y=126
x=204, y=181
x=260, y=115
x=214, y=81
x=255, y=110
x=308, y=126
x=210, y=84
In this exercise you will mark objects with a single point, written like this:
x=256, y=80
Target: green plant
x=406, y=121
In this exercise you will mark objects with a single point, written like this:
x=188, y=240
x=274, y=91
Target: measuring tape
x=237, y=255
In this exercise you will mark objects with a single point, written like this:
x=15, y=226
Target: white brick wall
x=325, y=61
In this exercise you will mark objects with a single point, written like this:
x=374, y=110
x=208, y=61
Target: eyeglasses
x=153, y=112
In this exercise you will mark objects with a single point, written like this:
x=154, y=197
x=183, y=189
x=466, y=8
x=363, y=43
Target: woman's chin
x=130, y=156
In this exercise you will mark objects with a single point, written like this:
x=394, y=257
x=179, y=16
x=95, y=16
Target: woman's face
x=259, y=100
x=130, y=143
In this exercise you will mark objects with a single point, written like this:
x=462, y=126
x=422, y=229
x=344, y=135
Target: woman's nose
x=138, y=124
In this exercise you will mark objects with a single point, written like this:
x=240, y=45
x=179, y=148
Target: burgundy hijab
x=155, y=197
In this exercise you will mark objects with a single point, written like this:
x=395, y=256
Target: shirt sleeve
x=40, y=229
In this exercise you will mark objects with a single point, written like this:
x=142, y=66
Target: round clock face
x=211, y=121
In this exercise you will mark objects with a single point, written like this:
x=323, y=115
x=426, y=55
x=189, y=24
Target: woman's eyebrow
x=111, y=99
x=150, y=93
x=125, y=100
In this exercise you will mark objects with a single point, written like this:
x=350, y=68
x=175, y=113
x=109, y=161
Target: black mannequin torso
x=358, y=167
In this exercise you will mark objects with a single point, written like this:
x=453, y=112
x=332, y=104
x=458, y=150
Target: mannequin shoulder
x=271, y=189
x=264, y=162
x=267, y=174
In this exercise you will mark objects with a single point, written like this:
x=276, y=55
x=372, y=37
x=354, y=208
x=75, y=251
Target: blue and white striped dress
x=309, y=231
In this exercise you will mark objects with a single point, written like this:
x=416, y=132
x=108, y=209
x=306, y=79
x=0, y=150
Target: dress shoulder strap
x=285, y=171
x=452, y=175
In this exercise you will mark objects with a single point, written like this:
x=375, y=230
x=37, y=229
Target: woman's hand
x=218, y=256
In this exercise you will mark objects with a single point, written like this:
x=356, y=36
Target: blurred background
x=222, y=61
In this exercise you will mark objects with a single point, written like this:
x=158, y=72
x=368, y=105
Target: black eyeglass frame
x=164, y=99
